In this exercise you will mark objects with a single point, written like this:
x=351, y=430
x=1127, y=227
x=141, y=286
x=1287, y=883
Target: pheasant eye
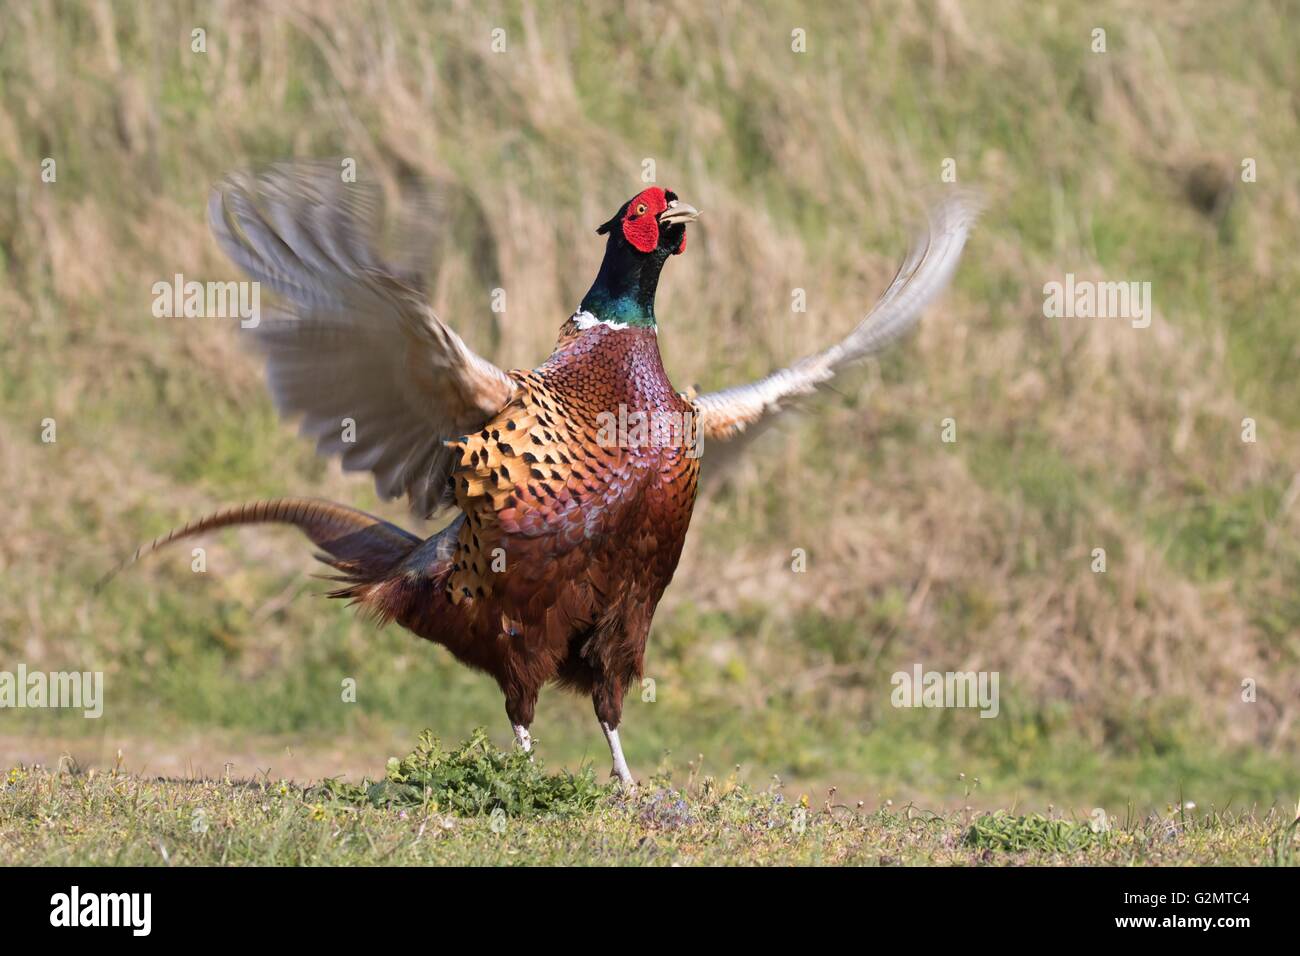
x=640, y=209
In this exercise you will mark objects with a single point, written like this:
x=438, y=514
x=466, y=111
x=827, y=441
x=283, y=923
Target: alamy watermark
x=941, y=689
x=82, y=690
x=657, y=428
x=1086, y=299
x=133, y=911
x=208, y=300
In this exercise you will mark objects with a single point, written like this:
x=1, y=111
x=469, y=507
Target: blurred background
x=811, y=167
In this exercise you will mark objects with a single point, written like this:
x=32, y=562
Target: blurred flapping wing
x=923, y=275
x=355, y=349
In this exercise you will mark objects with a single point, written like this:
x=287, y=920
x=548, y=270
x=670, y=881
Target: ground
x=476, y=805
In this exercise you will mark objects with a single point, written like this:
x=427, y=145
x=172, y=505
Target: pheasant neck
x=624, y=291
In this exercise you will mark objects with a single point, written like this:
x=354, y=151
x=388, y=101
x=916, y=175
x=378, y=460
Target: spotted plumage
x=570, y=486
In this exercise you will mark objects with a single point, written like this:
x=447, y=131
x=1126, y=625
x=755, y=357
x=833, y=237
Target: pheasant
x=570, y=485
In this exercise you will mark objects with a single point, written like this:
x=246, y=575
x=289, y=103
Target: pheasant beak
x=678, y=211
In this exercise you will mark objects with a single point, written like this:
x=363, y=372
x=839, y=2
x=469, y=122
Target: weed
x=474, y=779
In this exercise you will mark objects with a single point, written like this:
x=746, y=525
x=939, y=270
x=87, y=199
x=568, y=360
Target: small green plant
x=1282, y=843
x=1003, y=831
x=474, y=779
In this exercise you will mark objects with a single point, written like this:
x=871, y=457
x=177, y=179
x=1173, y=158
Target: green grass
x=480, y=806
x=473, y=779
x=1212, y=538
x=1012, y=834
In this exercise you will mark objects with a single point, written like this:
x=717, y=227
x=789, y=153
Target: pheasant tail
x=362, y=548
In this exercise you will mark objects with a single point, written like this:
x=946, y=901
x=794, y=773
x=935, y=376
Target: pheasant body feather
x=569, y=538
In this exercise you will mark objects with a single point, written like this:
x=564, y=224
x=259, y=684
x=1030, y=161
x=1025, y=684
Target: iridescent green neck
x=622, y=309
x=624, y=290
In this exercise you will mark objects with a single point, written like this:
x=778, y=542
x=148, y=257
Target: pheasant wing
x=925, y=272
x=355, y=350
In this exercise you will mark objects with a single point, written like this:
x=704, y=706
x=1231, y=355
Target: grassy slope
x=1115, y=688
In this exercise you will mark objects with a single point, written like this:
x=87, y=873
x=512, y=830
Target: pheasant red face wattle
x=641, y=221
x=649, y=213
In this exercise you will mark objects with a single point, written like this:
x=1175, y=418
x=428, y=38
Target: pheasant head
x=646, y=230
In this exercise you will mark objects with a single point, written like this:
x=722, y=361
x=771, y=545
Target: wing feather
x=924, y=274
x=355, y=338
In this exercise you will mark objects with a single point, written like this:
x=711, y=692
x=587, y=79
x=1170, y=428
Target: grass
x=1118, y=688
x=477, y=805
x=474, y=779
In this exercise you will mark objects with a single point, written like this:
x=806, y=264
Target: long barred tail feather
x=361, y=547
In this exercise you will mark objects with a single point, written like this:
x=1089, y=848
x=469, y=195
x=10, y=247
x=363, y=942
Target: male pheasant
x=571, y=485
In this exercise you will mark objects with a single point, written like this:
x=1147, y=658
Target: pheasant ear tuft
x=606, y=227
